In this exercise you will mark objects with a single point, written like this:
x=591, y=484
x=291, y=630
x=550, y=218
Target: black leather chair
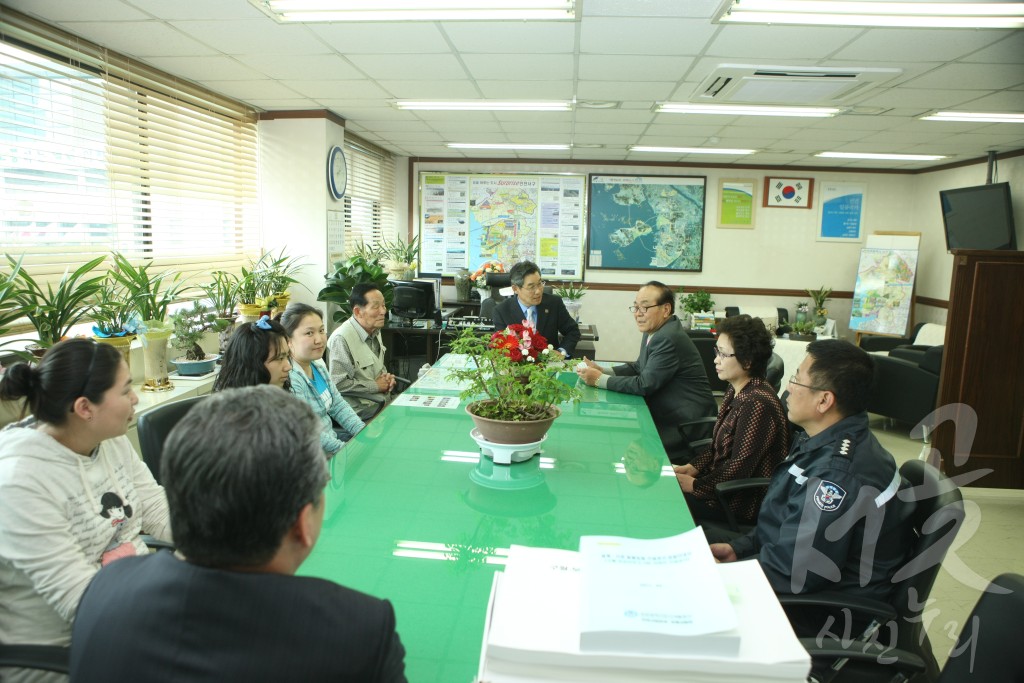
x=56, y=658
x=875, y=343
x=154, y=426
x=937, y=516
x=905, y=390
x=706, y=348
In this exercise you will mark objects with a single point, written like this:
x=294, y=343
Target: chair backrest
x=776, y=371
x=988, y=648
x=154, y=426
x=499, y=280
x=706, y=348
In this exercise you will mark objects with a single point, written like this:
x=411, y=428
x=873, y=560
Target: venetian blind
x=370, y=196
x=104, y=154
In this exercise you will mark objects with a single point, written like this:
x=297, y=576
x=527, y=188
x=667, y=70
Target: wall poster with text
x=842, y=211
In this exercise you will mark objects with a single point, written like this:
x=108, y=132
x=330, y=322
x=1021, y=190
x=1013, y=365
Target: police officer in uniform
x=831, y=518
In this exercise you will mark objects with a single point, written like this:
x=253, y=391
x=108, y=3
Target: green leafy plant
x=151, y=294
x=189, y=326
x=278, y=272
x=222, y=293
x=698, y=302
x=113, y=312
x=54, y=312
x=511, y=383
x=573, y=291
x=400, y=252
x=9, y=308
x=803, y=327
x=819, y=297
x=362, y=266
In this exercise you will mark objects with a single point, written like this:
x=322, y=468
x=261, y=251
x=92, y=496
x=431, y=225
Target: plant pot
x=250, y=313
x=506, y=431
x=193, y=368
x=282, y=300
x=793, y=336
x=122, y=344
x=37, y=350
x=154, y=354
x=573, y=306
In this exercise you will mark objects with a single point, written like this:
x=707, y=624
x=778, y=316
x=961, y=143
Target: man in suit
x=669, y=373
x=244, y=476
x=546, y=311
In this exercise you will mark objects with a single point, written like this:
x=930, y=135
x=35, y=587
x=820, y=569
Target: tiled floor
x=987, y=545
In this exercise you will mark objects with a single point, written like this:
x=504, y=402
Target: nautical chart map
x=647, y=222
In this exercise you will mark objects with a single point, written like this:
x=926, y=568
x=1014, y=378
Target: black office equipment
x=414, y=300
x=979, y=217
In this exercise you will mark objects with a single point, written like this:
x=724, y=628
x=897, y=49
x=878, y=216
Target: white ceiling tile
x=335, y=90
x=542, y=117
x=913, y=97
x=761, y=43
x=525, y=66
x=213, y=68
x=385, y=126
x=629, y=67
x=613, y=115
x=281, y=67
x=1006, y=101
x=901, y=138
x=551, y=127
x=685, y=37
x=1009, y=50
x=688, y=131
x=349, y=110
x=529, y=37
x=971, y=77
x=650, y=8
x=56, y=11
x=270, y=104
x=139, y=38
x=449, y=127
x=191, y=9
x=811, y=134
x=918, y=45
x=431, y=90
x=246, y=90
x=402, y=67
x=402, y=136
x=527, y=90
x=855, y=122
x=373, y=37
x=249, y=36
x=611, y=90
x=608, y=128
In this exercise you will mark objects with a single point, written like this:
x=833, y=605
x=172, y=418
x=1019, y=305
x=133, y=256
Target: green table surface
x=415, y=515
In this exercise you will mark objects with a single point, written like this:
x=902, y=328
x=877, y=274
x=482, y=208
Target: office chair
x=155, y=425
x=56, y=658
x=937, y=516
x=906, y=390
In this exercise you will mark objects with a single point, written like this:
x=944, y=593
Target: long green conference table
x=417, y=516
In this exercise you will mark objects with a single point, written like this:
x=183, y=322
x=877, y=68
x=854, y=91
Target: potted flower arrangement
x=114, y=318
x=514, y=376
x=401, y=257
x=189, y=326
x=222, y=295
x=802, y=309
x=803, y=331
x=819, y=297
x=278, y=274
x=697, y=302
x=571, y=293
x=479, y=278
x=361, y=265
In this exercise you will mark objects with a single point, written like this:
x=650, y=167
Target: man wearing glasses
x=668, y=373
x=831, y=519
x=545, y=311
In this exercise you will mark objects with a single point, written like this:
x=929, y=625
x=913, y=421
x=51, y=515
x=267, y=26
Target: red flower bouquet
x=520, y=343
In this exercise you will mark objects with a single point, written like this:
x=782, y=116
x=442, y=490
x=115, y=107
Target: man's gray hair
x=238, y=469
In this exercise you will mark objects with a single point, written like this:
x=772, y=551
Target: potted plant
x=697, y=302
x=250, y=291
x=400, y=257
x=277, y=274
x=9, y=308
x=514, y=376
x=479, y=277
x=571, y=293
x=819, y=297
x=803, y=331
x=54, y=312
x=189, y=326
x=363, y=265
x=151, y=295
x=801, y=311
x=114, y=318
x=222, y=295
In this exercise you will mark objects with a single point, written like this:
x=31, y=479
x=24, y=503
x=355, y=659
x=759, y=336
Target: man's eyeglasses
x=792, y=380
x=642, y=309
x=535, y=286
x=720, y=354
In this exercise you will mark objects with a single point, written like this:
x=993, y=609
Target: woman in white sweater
x=73, y=493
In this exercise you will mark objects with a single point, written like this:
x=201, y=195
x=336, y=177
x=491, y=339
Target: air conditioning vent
x=749, y=84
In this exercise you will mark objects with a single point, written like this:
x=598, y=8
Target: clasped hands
x=590, y=373
x=385, y=382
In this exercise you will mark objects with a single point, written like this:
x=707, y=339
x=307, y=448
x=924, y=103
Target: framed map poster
x=646, y=222
x=736, y=203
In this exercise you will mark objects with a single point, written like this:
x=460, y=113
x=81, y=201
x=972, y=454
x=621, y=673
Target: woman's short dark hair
x=751, y=342
x=294, y=314
x=244, y=362
x=69, y=370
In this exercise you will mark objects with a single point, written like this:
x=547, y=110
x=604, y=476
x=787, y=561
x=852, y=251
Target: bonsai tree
x=53, y=312
x=362, y=266
x=698, y=302
x=189, y=326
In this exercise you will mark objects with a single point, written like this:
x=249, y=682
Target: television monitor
x=413, y=300
x=979, y=217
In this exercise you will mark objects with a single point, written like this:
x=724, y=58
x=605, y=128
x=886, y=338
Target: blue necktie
x=531, y=316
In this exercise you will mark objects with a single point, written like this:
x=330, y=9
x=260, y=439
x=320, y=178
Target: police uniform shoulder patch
x=829, y=496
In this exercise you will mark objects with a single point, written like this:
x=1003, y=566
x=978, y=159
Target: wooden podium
x=983, y=367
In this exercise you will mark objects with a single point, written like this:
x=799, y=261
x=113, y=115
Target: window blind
x=370, y=197
x=101, y=154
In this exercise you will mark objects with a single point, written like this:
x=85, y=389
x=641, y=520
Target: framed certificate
x=788, y=193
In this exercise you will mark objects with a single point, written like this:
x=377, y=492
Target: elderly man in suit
x=545, y=311
x=245, y=477
x=669, y=373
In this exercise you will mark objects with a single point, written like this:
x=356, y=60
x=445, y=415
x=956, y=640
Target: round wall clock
x=337, y=172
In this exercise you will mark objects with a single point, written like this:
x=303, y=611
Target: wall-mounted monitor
x=979, y=217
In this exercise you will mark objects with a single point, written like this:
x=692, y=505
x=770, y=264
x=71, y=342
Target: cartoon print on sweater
x=115, y=509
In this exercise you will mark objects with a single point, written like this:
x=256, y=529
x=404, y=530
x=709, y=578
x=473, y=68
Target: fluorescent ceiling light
x=417, y=10
x=690, y=150
x=889, y=157
x=483, y=105
x=973, y=116
x=475, y=145
x=745, y=110
x=873, y=13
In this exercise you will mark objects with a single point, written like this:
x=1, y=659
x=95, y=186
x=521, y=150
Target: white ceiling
x=631, y=52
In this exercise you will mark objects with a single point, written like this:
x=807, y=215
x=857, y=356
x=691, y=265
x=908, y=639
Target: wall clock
x=337, y=172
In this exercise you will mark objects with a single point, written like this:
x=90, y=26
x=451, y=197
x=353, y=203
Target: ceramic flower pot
x=122, y=344
x=154, y=354
x=193, y=368
x=511, y=432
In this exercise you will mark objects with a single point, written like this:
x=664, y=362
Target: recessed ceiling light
x=873, y=13
x=483, y=105
x=745, y=110
x=310, y=11
x=690, y=150
x=973, y=116
x=597, y=104
x=483, y=145
x=881, y=157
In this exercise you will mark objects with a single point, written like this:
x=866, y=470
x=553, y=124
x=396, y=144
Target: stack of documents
x=560, y=615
